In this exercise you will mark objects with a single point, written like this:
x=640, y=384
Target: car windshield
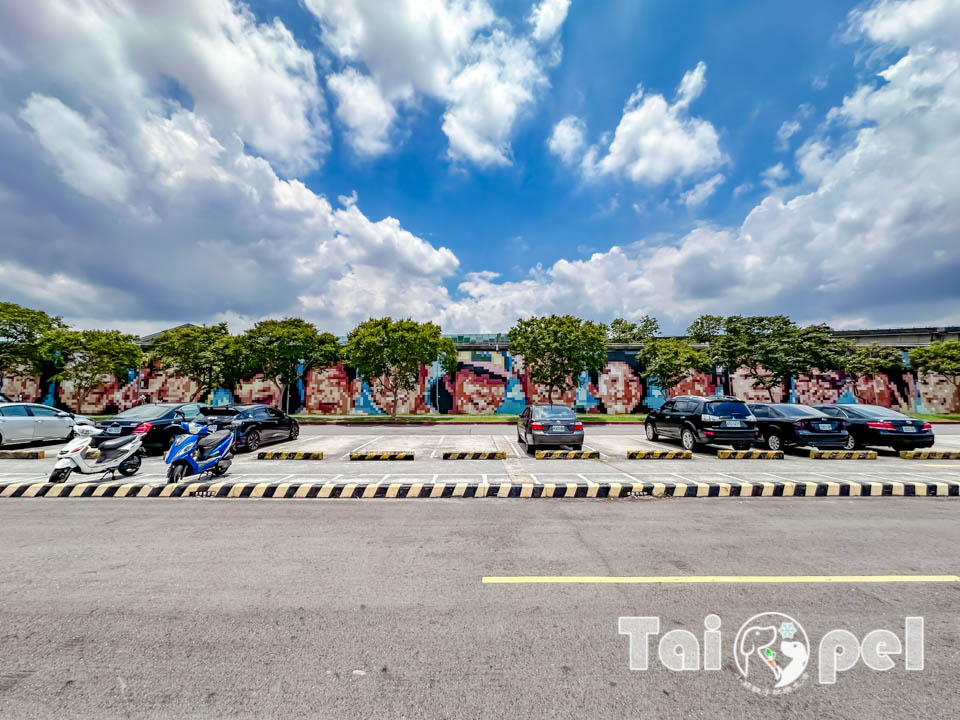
x=880, y=412
x=246, y=414
x=555, y=412
x=735, y=409
x=144, y=412
x=798, y=411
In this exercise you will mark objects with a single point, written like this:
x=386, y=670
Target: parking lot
x=611, y=442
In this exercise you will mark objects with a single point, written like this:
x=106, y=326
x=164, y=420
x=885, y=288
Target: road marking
x=363, y=445
x=708, y=579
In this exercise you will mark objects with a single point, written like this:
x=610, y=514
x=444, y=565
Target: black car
x=549, y=425
x=720, y=420
x=255, y=425
x=783, y=424
x=877, y=425
x=158, y=423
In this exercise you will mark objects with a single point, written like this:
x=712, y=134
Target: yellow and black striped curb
x=567, y=455
x=659, y=455
x=930, y=454
x=290, y=456
x=466, y=489
x=382, y=455
x=750, y=454
x=843, y=454
x=481, y=455
x=21, y=455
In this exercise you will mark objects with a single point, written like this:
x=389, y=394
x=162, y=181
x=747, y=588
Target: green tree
x=391, y=352
x=705, y=329
x=868, y=360
x=772, y=349
x=671, y=361
x=286, y=350
x=626, y=332
x=202, y=354
x=32, y=343
x=939, y=358
x=96, y=356
x=556, y=349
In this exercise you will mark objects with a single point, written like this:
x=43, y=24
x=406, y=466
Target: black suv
x=720, y=420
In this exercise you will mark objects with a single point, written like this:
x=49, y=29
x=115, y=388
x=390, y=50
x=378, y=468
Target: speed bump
x=481, y=455
x=21, y=454
x=750, y=454
x=843, y=454
x=567, y=455
x=382, y=455
x=930, y=455
x=659, y=455
x=290, y=456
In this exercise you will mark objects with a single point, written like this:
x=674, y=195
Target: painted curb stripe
x=22, y=454
x=383, y=455
x=290, y=456
x=226, y=489
x=476, y=455
x=750, y=454
x=659, y=455
x=930, y=454
x=843, y=455
x=709, y=579
x=567, y=455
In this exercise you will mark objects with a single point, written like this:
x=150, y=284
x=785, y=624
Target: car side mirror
x=62, y=414
x=177, y=415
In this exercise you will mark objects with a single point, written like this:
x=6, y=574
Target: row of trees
x=389, y=353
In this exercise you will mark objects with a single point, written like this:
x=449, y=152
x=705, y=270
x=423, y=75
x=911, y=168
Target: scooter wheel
x=176, y=472
x=60, y=475
x=130, y=466
x=220, y=469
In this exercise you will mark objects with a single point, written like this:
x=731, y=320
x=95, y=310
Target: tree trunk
x=550, y=395
x=396, y=401
x=770, y=394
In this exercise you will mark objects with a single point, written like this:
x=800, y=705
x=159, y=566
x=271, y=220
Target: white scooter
x=122, y=453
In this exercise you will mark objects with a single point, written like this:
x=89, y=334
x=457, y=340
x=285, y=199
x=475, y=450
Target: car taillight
x=142, y=429
x=536, y=426
x=799, y=424
x=880, y=425
x=578, y=426
x=927, y=426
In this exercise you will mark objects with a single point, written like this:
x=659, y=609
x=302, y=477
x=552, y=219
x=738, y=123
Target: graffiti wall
x=495, y=382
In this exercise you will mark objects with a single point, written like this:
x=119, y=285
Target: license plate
x=732, y=423
x=113, y=430
x=908, y=428
x=825, y=426
x=558, y=428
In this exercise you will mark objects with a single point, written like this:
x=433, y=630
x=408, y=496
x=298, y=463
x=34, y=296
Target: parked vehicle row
x=31, y=422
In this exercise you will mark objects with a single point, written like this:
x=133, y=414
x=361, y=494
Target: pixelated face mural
x=478, y=391
x=328, y=391
x=618, y=388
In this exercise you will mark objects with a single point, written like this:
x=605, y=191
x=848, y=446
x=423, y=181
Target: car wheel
x=295, y=431
x=651, y=432
x=688, y=439
x=774, y=442
x=129, y=466
x=850, y=443
x=253, y=440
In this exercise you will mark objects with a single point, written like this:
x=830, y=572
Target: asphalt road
x=259, y=609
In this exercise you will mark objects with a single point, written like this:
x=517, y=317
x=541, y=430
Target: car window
x=275, y=413
x=668, y=406
x=554, y=412
x=850, y=412
x=761, y=411
x=190, y=411
x=143, y=412
x=14, y=411
x=871, y=411
x=833, y=412
x=685, y=406
x=734, y=409
x=40, y=411
x=798, y=411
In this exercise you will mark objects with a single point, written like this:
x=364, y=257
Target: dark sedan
x=256, y=425
x=782, y=425
x=549, y=425
x=877, y=425
x=158, y=423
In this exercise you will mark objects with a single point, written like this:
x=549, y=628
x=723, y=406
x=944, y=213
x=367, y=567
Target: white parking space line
x=357, y=448
x=505, y=440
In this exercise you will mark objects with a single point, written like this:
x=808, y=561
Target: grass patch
x=935, y=417
x=453, y=419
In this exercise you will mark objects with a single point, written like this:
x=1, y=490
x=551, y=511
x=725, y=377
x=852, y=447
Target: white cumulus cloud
x=548, y=17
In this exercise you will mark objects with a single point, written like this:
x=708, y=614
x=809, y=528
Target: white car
x=32, y=422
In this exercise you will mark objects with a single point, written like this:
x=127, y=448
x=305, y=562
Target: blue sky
x=471, y=161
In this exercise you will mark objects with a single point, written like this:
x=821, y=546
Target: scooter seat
x=114, y=443
x=208, y=442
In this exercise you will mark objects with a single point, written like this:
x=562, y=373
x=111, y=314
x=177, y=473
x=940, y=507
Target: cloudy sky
x=469, y=161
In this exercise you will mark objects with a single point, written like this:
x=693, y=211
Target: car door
x=764, y=420
x=16, y=424
x=522, y=422
x=281, y=423
x=668, y=423
x=49, y=424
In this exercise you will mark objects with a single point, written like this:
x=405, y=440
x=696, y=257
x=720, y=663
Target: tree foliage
x=868, y=360
x=671, y=361
x=623, y=331
x=94, y=357
x=705, y=329
x=201, y=353
x=391, y=352
x=939, y=358
x=32, y=343
x=556, y=349
x=286, y=350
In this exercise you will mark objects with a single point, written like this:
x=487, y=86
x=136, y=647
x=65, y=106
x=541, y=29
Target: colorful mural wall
x=494, y=382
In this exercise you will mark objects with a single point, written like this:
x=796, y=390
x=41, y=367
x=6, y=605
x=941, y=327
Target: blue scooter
x=202, y=447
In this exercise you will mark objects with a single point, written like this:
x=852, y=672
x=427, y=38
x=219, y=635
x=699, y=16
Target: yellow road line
x=707, y=579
